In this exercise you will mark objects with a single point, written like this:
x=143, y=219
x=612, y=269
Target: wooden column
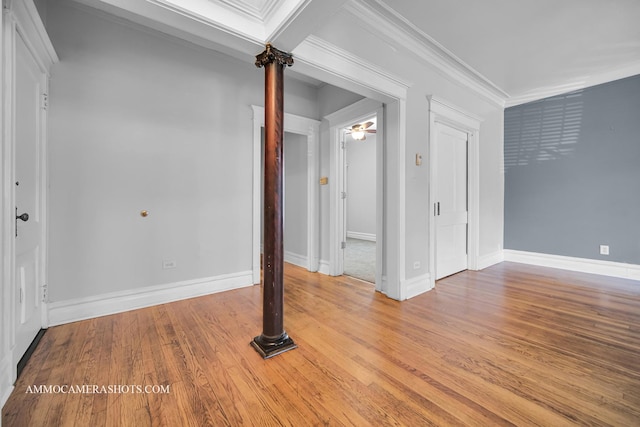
x=274, y=340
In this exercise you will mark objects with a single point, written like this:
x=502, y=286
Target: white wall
x=140, y=121
x=361, y=186
x=426, y=80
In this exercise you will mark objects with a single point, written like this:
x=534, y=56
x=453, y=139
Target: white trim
x=220, y=16
x=296, y=259
x=583, y=265
x=6, y=379
x=381, y=144
x=453, y=115
x=6, y=373
x=30, y=26
x=416, y=286
x=61, y=312
x=311, y=129
x=488, y=260
x=251, y=10
x=443, y=112
x=401, y=189
x=7, y=275
x=390, y=24
x=315, y=54
x=313, y=193
x=324, y=268
x=371, y=237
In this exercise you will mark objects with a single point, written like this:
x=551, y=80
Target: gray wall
x=361, y=185
x=572, y=173
x=139, y=120
x=330, y=100
x=295, y=198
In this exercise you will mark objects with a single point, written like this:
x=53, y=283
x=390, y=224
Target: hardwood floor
x=510, y=345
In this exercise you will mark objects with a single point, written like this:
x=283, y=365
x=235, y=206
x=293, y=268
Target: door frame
x=20, y=19
x=449, y=115
x=311, y=129
x=338, y=121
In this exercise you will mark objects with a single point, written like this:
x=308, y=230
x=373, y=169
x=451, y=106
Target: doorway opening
x=295, y=207
x=365, y=114
x=304, y=134
x=359, y=254
x=454, y=189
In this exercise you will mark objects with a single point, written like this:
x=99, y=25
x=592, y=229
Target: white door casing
x=27, y=56
x=450, y=208
x=441, y=112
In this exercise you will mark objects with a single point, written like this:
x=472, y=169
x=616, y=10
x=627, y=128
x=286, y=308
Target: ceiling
x=528, y=45
x=517, y=50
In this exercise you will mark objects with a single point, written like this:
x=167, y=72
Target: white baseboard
x=6, y=380
x=362, y=236
x=323, y=267
x=296, y=259
x=584, y=265
x=416, y=286
x=382, y=285
x=61, y=312
x=488, y=260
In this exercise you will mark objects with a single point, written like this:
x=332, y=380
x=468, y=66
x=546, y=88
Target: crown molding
x=243, y=8
x=280, y=14
x=252, y=10
x=407, y=36
x=225, y=16
x=598, y=79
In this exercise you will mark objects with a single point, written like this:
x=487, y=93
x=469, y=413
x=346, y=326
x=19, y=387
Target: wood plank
x=509, y=345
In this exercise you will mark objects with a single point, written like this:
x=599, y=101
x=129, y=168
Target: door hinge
x=343, y=195
x=342, y=144
x=45, y=101
x=45, y=292
x=343, y=245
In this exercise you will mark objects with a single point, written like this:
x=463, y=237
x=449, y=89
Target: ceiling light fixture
x=358, y=135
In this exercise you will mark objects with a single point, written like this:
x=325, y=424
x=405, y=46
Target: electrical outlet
x=416, y=265
x=168, y=263
x=604, y=249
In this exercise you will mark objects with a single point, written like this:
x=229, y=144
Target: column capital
x=271, y=54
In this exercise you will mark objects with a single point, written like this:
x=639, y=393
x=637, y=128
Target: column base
x=268, y=347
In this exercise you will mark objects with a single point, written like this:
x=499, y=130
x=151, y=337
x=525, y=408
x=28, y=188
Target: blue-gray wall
x=572, y=173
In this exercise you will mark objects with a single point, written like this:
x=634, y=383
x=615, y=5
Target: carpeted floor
x=360, y=259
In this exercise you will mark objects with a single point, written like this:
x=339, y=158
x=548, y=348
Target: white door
x=28, y=168
x=450, y=208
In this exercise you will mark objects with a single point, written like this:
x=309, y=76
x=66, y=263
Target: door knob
x=24, y=217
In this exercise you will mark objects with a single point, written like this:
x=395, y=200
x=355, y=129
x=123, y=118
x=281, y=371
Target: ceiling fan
x=359, y=130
